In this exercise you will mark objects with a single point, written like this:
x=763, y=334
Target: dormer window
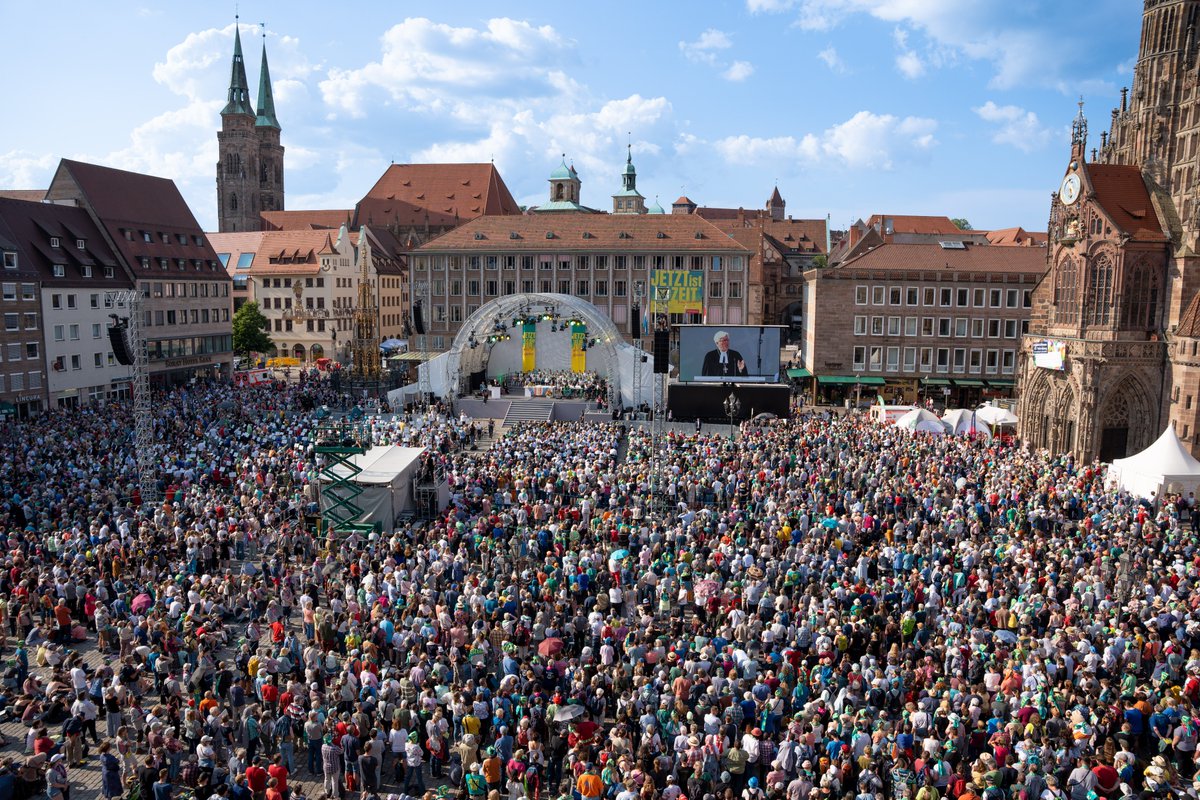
x=146, y=237
x=60, y=271
x=10, y=259
x=54, y=242
x=85, y=270
x=80, y=244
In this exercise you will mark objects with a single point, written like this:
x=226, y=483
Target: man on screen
x=723, y=362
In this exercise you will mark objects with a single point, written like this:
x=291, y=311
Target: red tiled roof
x=568, y=232
x=1015, y=237
x=1189, y=322
x=440, y=195
x=30, y=195
x=1122, y=193
x=387, y=254
x=683, y=200
x=971, y=258
x=28, y=227
x=136, y=203
x=327, y=219
x=275, y=252
x=909, y=223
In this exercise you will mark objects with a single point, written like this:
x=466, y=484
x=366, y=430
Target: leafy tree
x=962, y=224
x=820, y=262
x=250, y=330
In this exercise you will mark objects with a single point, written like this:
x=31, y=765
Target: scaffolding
x=659, y=310
x=339, y=442
x=143, y=407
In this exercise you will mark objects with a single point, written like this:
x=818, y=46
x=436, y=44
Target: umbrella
x=141, y=603
x=1006, y=636
x=550, y=647
x=994, y=415
x=568, y=713
x=706, y=589
x=962, y=422
x=617, y=555
x=390, y=344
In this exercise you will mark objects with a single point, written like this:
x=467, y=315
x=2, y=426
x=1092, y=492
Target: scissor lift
x=339, y=441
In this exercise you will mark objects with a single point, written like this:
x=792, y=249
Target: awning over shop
x=935, y=381
x=968, y=382
x=865, y=380
x=1001, y=384
x=799, y=373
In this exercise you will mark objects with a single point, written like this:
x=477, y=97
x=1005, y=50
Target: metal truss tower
x=143, y=407
x=339, y=442
x=659, y=308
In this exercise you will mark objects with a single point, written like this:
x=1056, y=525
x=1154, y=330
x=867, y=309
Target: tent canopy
x=963, y=421
x=383, y=464
x=921, y=420
x=1166, y=464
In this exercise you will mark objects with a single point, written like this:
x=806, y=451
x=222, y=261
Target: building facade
x=601, y=258
x=250, y=163
x=306, y=284
x=910, y=321
x=187, y=305
x=22, y=364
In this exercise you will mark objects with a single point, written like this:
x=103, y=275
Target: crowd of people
x=822, y=608
x=564, y=384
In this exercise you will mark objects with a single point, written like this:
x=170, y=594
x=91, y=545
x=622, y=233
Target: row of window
x=165, y=238
x=9, y=292
x=75, y=362
x=960, y=327
x=975, y=361
x=22, y=351
x=180, y=263
x=20, y=381
x=64, y=332
x=309, y=283
x=945, y=297
x=13, y=321
x=186, y=289
x=192, y=346
x=582, y=262
x=186, y=316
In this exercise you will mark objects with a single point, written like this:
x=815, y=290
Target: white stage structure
x=387, y=478
x=489, y=342
x=1165, y=465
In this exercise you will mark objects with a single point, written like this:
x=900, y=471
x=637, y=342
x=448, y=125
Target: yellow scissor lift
x=340, y=441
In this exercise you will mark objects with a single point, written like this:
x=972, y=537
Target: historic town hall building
x=1112, y=357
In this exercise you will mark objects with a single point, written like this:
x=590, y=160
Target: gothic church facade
x=250, y=165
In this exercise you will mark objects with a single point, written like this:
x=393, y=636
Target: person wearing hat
x=492, y=770
x=414, y=760
x=589, y=785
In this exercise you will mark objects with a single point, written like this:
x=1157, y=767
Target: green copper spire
x=266, y=99
x=239, y=91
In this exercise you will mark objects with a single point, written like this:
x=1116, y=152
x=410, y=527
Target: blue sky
x=956, y=107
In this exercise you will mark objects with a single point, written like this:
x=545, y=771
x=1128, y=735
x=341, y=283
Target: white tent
x=1164, y=465
x=964, y=422
x=994, y=415
x=387, y=482
x=920, y=420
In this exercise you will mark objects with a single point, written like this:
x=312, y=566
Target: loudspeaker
x=662, y=351
x=418, y=318
x=120, y=344
x=635, y=320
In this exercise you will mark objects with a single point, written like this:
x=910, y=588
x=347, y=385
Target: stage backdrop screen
x=729, y=353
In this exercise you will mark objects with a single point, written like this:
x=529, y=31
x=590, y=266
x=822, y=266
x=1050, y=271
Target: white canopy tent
x=965, y=422
x=1165, y=465
x=920, y=420
x=387, y=482
x=994, y=415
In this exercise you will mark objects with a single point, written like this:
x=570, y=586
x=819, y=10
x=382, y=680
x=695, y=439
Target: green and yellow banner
x=529, y=347
x=578, y=353
x=687, y=289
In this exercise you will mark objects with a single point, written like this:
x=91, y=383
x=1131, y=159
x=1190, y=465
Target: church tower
x=250, y=157
x=776, y=205
x=629, y=200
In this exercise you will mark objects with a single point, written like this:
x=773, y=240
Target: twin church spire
x=250, y=170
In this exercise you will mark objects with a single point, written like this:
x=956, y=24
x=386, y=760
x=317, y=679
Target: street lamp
x=733, y=407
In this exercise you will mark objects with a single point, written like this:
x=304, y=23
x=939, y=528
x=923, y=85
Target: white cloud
x=20, y=169
x=1014, y=126
x=708, y=48
x=832, y=60
x=865, y=141
x=1023, y=47
x=738, y=71
x=421, y=61
x=705, y=48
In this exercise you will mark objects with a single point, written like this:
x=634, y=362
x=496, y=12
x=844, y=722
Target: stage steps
x=527, y=410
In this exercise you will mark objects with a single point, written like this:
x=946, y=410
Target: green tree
x=962, y=224
x=820, y=262
x=250, y=330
